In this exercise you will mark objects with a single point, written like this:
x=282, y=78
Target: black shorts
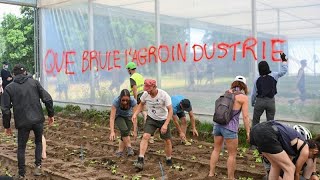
x=266, y=138
x=181, y=115
x=152, y=125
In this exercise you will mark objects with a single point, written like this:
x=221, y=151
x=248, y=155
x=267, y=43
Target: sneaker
x=38, y=171
x=119, y=154
x=18, y=177
x=130, y=151
x=140, y=163
x=169, y=162
x=151, y=140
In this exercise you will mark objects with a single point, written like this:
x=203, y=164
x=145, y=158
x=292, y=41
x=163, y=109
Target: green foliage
x=72, y=108
x=17, y=38
x=57, y=109
x=242, y=138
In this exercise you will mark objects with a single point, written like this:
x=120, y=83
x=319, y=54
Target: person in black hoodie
x=24, y=95
x=264, y=90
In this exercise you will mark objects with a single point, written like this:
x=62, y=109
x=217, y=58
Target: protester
x=180, y=104
x=277, y=142
x=229, y=132
x=121, y=113
x=159, y=115
x=24, y=95
x=264, y=90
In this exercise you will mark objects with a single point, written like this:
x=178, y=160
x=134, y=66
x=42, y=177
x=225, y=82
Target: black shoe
x=169, y=162
x=140, y=163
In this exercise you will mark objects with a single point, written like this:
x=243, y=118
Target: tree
x=18, y=38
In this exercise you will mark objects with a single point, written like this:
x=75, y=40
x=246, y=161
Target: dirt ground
x=80, y=150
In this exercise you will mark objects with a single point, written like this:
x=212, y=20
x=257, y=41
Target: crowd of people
x=288, y=152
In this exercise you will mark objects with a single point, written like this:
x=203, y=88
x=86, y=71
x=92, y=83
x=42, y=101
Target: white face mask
x=5, y=66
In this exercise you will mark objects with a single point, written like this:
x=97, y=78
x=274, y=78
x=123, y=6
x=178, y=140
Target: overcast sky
x=6, y=9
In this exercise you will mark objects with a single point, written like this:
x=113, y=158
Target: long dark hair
x=124, y=92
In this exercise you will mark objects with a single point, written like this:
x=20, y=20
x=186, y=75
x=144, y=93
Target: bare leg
x=280, y=161
x=126, y=141
x=121, y=146
x=232, y=145
x=168, y=147
x=144, y=144
x=184, y=125
x=44, y=148
x=218, y=141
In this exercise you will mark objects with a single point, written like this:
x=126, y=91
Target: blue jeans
x=23, y=136
x=226, y=133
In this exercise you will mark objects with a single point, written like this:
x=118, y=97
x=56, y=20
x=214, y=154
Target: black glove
x=283, y=57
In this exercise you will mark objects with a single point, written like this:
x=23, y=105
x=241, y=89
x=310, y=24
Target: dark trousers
x=23, y=136
x=261, y=105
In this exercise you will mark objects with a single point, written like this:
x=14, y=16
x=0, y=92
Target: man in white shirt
x=159, y=115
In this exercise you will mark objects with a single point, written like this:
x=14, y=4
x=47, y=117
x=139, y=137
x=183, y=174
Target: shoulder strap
x=299, y=150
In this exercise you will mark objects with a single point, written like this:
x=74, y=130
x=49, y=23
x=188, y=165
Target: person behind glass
x=264, y=90
x=5, y=75
x=229, y=132
x=278, y=143
x=24, y=95
x=159, y=115
x=301, y=85
x=121, y=113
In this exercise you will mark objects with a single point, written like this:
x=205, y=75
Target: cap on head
x=5, y=63
x=149, y=84
x=241, y=79
x=131, y=65
x=186, y=105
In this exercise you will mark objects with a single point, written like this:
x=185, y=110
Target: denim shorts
x=226, y=133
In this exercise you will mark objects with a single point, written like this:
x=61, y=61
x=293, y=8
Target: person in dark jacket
x=264, y=90
x=5, y=75
x=24, y=95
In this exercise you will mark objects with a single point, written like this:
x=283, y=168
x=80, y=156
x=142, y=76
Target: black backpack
x=223, y=107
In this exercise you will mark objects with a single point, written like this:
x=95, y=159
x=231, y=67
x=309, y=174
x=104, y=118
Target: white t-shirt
x=157, y=106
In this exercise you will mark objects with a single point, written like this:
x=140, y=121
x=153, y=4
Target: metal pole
x=314, y=57
x=42, y=46
x=254, y=35
x=36, y=43
x=157, y=31
x=91, y=47
x=19, y=3
x=278, y=34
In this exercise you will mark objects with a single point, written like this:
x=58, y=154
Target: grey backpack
x=223, y=107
